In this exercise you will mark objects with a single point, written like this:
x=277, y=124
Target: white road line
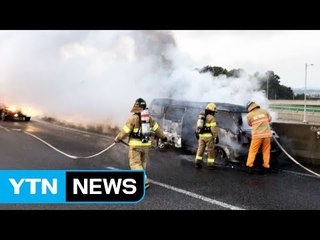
x=16, y=129
x=72, y=129
x=197, y=196
x=191, y=194
x=5, y=128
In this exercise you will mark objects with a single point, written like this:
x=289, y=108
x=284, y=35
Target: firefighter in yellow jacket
x=259, y=119
x=207, y=136
x=138, y=128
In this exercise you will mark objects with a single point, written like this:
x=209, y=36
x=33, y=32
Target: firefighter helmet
x=212, y=107
x=251, y=105
x=139, y=105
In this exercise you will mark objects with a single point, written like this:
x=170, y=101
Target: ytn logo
x=62, y=186
x=33, y=182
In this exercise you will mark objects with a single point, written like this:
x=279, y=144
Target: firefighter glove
x=197, y=134
x=216, y=140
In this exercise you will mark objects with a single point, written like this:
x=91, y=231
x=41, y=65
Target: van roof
x=220, y=106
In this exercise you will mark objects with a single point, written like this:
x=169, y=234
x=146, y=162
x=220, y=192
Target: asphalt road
x=175, y=183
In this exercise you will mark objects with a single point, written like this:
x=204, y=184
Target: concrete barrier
x=293, y=110
x=301, y=141
x=283, y=115
x=295, y=102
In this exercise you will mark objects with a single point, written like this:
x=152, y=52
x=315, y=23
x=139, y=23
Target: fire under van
x=178, y=120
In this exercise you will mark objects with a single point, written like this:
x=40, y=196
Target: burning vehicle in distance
x=13, y=114
x=178, y=119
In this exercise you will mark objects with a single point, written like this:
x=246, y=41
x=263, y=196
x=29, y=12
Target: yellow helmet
x=139, y=105
x=212, y=107
x=251, y=105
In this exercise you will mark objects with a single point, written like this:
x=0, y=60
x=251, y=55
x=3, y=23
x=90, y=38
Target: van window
x=225, y=120
x=156, y=110
x=174, y=113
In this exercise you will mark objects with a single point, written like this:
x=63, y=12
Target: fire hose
x=68, y=155
x=113, y=144
x=295, y=161
x=73, y=156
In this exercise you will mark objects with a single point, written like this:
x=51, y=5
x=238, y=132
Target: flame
x=12, y=109
x=27, y=110
x=30, y=111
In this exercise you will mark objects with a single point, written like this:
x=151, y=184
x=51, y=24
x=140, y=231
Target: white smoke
x=96, y=76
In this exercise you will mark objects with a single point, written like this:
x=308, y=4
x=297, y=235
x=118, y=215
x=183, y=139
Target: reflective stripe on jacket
x=210, y=123
x=259, y=120
x=133, y=125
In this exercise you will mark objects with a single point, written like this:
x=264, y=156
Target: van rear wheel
x=221, y=156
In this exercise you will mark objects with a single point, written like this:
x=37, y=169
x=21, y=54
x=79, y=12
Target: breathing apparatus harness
x=144, y=130
x=201, y=127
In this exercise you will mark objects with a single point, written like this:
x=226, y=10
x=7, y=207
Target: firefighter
x=138, y=128
x=207, y=136
x=259, y=119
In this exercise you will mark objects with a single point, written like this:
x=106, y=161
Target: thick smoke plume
x=95, y=76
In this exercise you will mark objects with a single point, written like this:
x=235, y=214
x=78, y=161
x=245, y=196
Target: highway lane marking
x=197, y=196
x=5, y=128
x=191, y=194
x=73, y=129
x=16, y=129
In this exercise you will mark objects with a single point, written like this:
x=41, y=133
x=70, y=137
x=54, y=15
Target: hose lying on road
x=106, y=149
x=295, y=161
x=68, y=155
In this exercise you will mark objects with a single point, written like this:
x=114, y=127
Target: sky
x=283, y=51
x=95, y=76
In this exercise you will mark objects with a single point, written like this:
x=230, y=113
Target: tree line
x=269, y=82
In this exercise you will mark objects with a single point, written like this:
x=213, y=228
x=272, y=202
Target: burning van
x=12, y=113
x=178, y=120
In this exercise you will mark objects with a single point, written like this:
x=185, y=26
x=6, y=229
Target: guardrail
x=296, y=108
x=295, y=102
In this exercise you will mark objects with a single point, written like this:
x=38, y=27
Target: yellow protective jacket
x=259, y=120
x=210, y=123
x=133, y=125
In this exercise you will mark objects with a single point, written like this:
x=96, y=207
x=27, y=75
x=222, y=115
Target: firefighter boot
x=265, y=171
x=211, y=166
x=249, y=170
x=198, y=164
